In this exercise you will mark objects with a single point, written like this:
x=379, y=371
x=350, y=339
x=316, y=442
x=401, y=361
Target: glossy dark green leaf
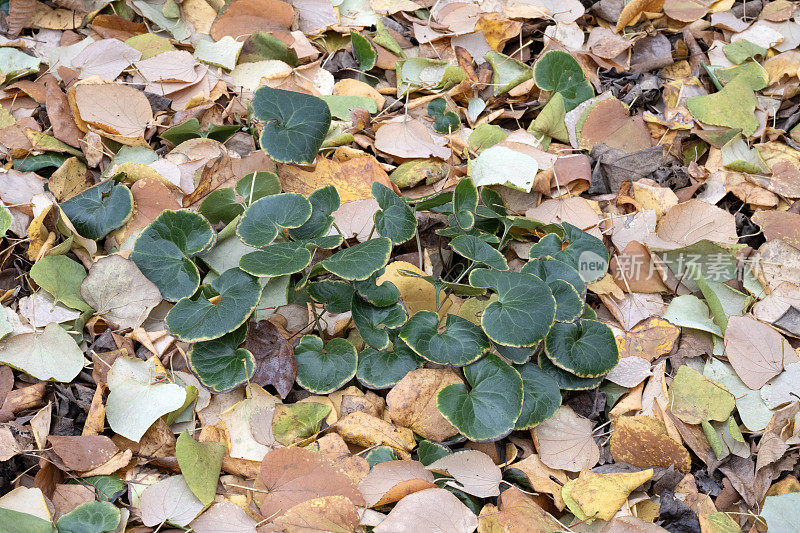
x=220, y=364
x=195, y=319
x=184, y=131
x=461, y=343
x=220, y=206
x=558, y=71
x=363, y=51
x=488, y=410
x=324, y=201
x=492, y=201
x=372, y=321
x=322, y=370
x=164, y=250
x=437, y=106
x=477, y=250
x=335, y=295
x=277, y=259
x=569, y=304
x=257, y=185
x=35, y=163
x=515, y=355
x=360, y=261
x=584, y=252
x=548, y=269
x=108, y=488
x=465, y=201
x=548, y=246
x=99, y=210
x=90, y=517
x=567, y=380
x=263, y=219
x=524, y=311
x=220, y=133
x=586, y=348
x=382, y=295
x=430, y=452
x=446, y=123
x=541, y=398
x=295, y=124
x=395, y=219
x=382, y=369
x=380, y=454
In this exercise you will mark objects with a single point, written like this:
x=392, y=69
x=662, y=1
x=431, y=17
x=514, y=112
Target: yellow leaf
x=601, y=495
x=365, y=430
x=416, y=293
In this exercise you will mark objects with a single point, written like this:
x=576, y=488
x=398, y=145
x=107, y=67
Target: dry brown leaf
x=475, y=472
x=334, y=514
x=245, y=17
x=635, y=10
x=543, y=478
x=391, y=481
x=565, y=441
x=429, y=510
x=409, y=139
x=757, y=352
x=365, y=430
x=117, y=111
x=82, y=453
x=519, y=513
x=643, y=441
x=649, y=340
x=296, y=475
x=60, y=115
x=353, y=178
x=412, y=402
x=695, y=220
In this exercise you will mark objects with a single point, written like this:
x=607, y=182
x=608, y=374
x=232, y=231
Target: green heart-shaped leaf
x=372, y=321
x=295, y=124
x=382, y=295
x=90, y=517
x=491, y=406
x=195, y=319
x=363, y=51
x=200, y=464
x=360, y=261
x=220, y=364
x=261, y=221
x=549, y=245
x=322, y=370
x=461, y=343
x=429, y=452
x=524, y=311
x=335, y=295
x=446, y=123
x=584, y=252
x=382, y=369
x=277, y=259
x=541, y=398
x=62, y=278
x=164, y=250
x=380, y=454
x=257, y=185
x=559, y=72
x=100, y=209
x=567, y=380
x=477, y=250
x=515, y=355
x=324, y=201
x=465, y=201
x=395, y=219
x=586, y=348
x=220, y=206
x=565, y=283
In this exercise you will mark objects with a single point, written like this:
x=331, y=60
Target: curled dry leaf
x=517, y=508
x=115, y=110
x=296, y=475
x=565, y=441
x=366, y=430
x=391, y=481
x=335, y=514
x=275, y=364
x=649, y=339
x=434, y=510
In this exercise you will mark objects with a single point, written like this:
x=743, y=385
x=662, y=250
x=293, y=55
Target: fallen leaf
x=169, y=500
x=434, y=510
x=756, y=351
x=412, y=403
x=223, y=517
x=643, y=441
x=365, y=430
x=601, y=495
x=83, y=453
x=474, y=472
x=118, y=111
x=694, y=398
x=353, y=178
x=275, y=364
x=391, y=481
x=565, y=441
x=336, y=514
x=519, y=511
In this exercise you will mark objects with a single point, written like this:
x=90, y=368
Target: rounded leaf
x=567, y=380
x=541, y=396
x=277, y=259
x=322, y=370
x=473, y=248
x=383, y=369
x=372, y=321
x=197, y=319
x=490, y=408
x=524, y=310
x=261, y=221
x=586, y=348
x=220, y=364
x=461, y=343
x=164, y=250
x=99, y=210
x=559, y=72
x=90, y=517
x=295, y=124
x=360, y=261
